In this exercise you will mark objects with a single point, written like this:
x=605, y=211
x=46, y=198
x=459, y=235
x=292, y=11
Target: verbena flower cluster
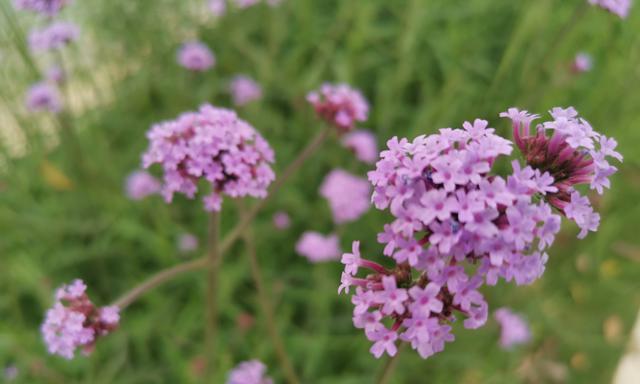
x=583, y=62
x=43, y=97
x=347, y=194
x=211, y=145
x=363, y=144
x=244, y=90
x=75, y=322
x=572, y=153
x=43, y=7
x=458, y=226
x=339, y=105
x=281, y=220
x=617, y=7
x=317, y=247
x=249, y=372
x=54, y=36
x=196, y=56
x=187, y=242
x=514, y=329
x=140, y=184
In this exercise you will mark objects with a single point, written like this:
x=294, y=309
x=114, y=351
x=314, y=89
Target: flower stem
x=266, y=307
x=213, y=264
x=389, y=367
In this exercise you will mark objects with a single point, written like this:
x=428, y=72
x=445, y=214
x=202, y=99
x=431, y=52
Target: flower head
x=187, y=242
x=583, y=62
x=141, y=184
x=244, y=90
x=317, y=247
x=215, y=146
x=249, y=372
x=281, y=220
x=363, y=143
x=339, y=105
x=75, y=322
x=620, y=8
x=196, y=56
x=44, y=97
x=55, y=36
x=43, y=7
x=514, y=329
x=348, y=195
x=217, y=7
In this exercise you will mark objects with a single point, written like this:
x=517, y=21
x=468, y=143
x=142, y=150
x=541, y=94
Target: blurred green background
x=422, y=65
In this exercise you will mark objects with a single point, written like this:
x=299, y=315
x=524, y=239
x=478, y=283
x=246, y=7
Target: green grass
x=422, y=64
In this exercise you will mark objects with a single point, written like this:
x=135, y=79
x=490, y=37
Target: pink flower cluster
x=514, y=329
x=317, y=248
x=196, y=56
x=348, y=195
x=44, y=7
x=140, y=184
x=339, y=105
x=620, y=8
x=572, y=153
x=363, y=143
x=214, y=145
x=456, y=227
x=244, y=90
x=74, y=322
x=43, y=97
x=281, y=220
x=583, y=62
x=187, y=242
x=54, y=36
x=249, y=372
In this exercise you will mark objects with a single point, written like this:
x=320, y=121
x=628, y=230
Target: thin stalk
x=389, y=367
x=167, y=274
x=157, y=280
x=266, y=307
x=213, y=264
x=309, y=150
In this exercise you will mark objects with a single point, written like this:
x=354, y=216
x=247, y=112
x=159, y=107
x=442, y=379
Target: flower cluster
x=456, y=227
x=196, y=56
x=43, y=7
x=348, y=195
x=617, y=7
x=339, y=105
x=244, y=90
x=514, y=330
x=213, y=145
x=54, y=36
x=583, y=62
x=140, y=184
x=572, y=153
x=249, y=372
x=363, y=143
x=281, y=220
x=187, y=242
x=317, y=248
x=43, y=97
x=75, y=322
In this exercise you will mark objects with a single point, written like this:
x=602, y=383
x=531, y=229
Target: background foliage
x=422, y=64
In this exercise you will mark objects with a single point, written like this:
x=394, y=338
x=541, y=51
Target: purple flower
x=425, y=300
x=249, y=372
x=317, y=248
x=384, y=341
x=196, y=56
x=391, y=297
x=339, y=105
x=74, y=322
x=244, y=90
x=55, y=36
x=187, y=242
x=43, y=7
x=55, y=75
x=44, y=97
x=141, y=184
x=211, y=145
x=281, y=220
x=363, y=143
x=617, y=7
x=348, y=195
x=217, y=7
x=514, y=330
x=583, y=62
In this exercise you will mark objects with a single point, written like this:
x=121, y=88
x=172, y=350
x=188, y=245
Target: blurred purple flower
x=44, y=7
x=249, y=372
x=339, y=105
x=363, y=143
x=317, y=248
x=218, y=7
x=583, y=62
x=55, y=74
x=244, y=90
x=620, y=8
x=514, y=330
x=55, y=36
x=281, y=220
x=187, y=242
x=140, y=184
x=348, y=195
x=43, y=97
x=196, y=56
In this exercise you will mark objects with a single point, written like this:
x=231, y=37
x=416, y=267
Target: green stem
x=213, y=264
x=389, y=367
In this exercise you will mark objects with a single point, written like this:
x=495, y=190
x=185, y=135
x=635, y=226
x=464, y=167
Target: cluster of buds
x=214, y=145
x=75, y=322
x=339, y=105
x=456, y=227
